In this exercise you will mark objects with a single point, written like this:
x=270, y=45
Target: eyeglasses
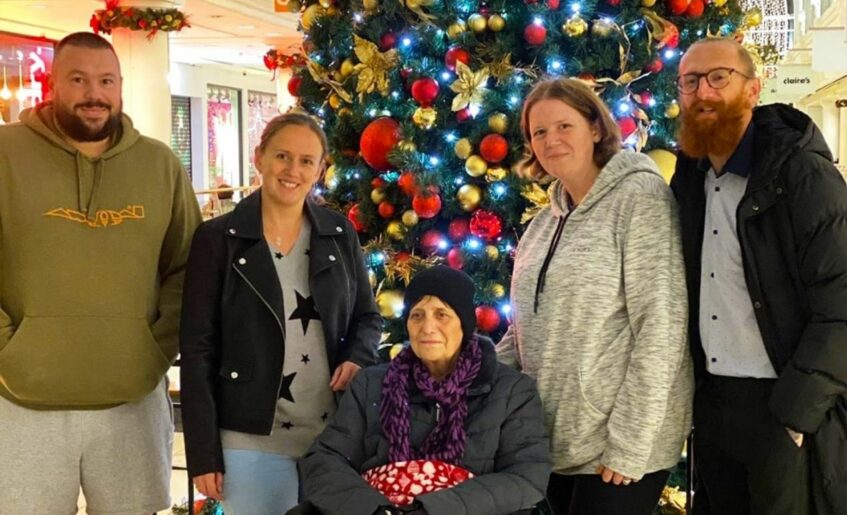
x=718, y=78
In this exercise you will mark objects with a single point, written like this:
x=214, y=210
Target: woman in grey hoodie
x=600, y=309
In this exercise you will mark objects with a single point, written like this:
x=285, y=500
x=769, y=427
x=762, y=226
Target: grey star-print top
x=305, y=400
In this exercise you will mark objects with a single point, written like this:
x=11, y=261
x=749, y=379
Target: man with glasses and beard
x=95, y=227
x=764, y=227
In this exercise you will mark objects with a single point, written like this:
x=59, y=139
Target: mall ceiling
x=236, y=32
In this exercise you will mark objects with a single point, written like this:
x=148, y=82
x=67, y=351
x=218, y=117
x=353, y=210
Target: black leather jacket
x=232, y=338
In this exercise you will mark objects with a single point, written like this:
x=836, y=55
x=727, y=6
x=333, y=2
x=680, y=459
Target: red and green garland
x=152, y=20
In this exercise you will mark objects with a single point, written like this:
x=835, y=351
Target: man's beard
x=719, y=136
x=75, y=128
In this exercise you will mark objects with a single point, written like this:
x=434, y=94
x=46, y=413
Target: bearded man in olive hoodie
x=95, y=228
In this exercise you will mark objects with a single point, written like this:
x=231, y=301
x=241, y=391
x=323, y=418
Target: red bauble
x=535, y=34
x=294, y=85
x=672, y=36
x=405, y=73
x=494, y=148
x=377, y=182
x=456, y=54
x=487, y=319
x=486, y=225
x=386, y=209
x=695, y=9
x=408, y=184
x=463, y=115
x=431, y=241
x=553, y=4
x=455, y=258
x=458, y=229
x=627, y=126
x=644, y=98
x=613, y=3
x=677, y=7
x=270, y=61
x=355, y=218
x=402, y=256
x=387, y=41
x=655, y=66
x=378, y=138
x=425, y=91
x=426, y=204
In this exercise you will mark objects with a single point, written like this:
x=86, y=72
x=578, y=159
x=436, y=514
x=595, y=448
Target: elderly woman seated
x=443, y=429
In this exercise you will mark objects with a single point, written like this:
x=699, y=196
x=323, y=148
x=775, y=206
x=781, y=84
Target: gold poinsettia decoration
x=425, y=117
x=373, y=67
x=469, y=86
x=322, y=77
x=539, y=199
x=502, y=68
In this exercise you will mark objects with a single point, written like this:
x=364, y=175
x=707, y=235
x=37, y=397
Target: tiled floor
x=179, y=478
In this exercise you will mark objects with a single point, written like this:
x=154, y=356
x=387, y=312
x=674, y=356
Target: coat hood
x=786, y=129
x=41, y=120
x=622, y=165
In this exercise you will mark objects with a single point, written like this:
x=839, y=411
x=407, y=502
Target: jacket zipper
x=278, y=321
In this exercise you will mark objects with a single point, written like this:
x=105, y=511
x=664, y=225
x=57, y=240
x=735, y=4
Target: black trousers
x=745, y=461
x=587, y=494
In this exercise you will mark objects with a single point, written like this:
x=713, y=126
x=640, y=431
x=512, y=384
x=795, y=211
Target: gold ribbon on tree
x=322, y=77
x=469, y=86
x=373, y=67
x=415, y=7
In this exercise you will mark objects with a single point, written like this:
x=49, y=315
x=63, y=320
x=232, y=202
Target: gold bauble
x=672, y=110
x=651, y=3
x=463, y=148
x=377, y=195
x=370, y=5
x=395, y=230
x=496, y=173
x=719, y=3
x=575, y=26
x=332, y=11
x=753, y=17
x=477, y=23
x=424, y=117
x=665, y=161
x=390, y=303
x=476, y=166
x=294, y=6
x=347, y=68
x=407, y=145
x=498, y=290
x=498, y=122
x=469, y=197
x=492, y=252
x=326, y=4
x=372, y=278
x=410, y=218
x=395, y=350
x=330, y=179
x=456, y=29
x=334, y=101
x=496, y=23
x=602, y=28
x=309, y=15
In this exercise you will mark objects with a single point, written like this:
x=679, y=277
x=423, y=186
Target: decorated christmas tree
x=421, y=101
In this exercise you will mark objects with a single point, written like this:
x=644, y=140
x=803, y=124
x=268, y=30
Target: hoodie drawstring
x=94, y=201
x=554, y=244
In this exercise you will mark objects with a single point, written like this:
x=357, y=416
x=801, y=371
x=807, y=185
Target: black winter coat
x=231, y=336
x=792, y=229
x=507, y=447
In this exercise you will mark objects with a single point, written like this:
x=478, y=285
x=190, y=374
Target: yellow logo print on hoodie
x=103, y=217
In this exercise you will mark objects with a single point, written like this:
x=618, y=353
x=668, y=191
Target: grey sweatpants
x=121, y=457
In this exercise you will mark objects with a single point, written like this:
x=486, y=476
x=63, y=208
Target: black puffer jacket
x=507, y=447
x=792, y=228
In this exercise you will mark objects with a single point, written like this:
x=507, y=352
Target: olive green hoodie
x=92, y=258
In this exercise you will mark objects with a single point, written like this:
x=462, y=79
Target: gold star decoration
x=469, y=86
x=373, y=67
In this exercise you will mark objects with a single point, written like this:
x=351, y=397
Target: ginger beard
x=718, y=135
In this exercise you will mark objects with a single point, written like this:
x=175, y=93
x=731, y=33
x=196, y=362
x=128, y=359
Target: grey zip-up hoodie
x=607, y=344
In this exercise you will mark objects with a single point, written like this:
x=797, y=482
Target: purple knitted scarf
x=446, y=441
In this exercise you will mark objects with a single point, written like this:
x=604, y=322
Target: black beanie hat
x=455, y=288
